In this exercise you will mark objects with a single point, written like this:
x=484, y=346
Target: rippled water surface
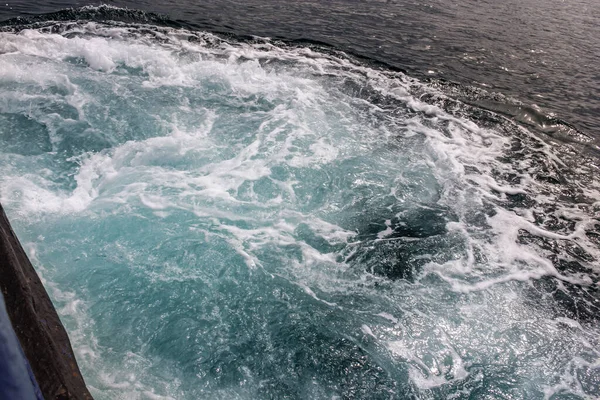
x=536, y=60
x=220, y=216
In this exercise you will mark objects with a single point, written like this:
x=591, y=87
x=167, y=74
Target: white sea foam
x=288, y=173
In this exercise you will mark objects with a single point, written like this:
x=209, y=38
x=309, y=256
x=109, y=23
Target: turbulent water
x=217, y=217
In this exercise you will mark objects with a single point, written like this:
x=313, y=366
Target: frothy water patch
x=226, y=219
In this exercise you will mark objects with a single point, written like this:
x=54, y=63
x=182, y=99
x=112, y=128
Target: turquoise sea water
x=218, y=218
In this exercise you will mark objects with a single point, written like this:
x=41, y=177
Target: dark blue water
x=540, y=54
x=311, y=200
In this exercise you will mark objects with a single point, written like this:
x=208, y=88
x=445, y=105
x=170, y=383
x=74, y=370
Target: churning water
x=223, y=218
